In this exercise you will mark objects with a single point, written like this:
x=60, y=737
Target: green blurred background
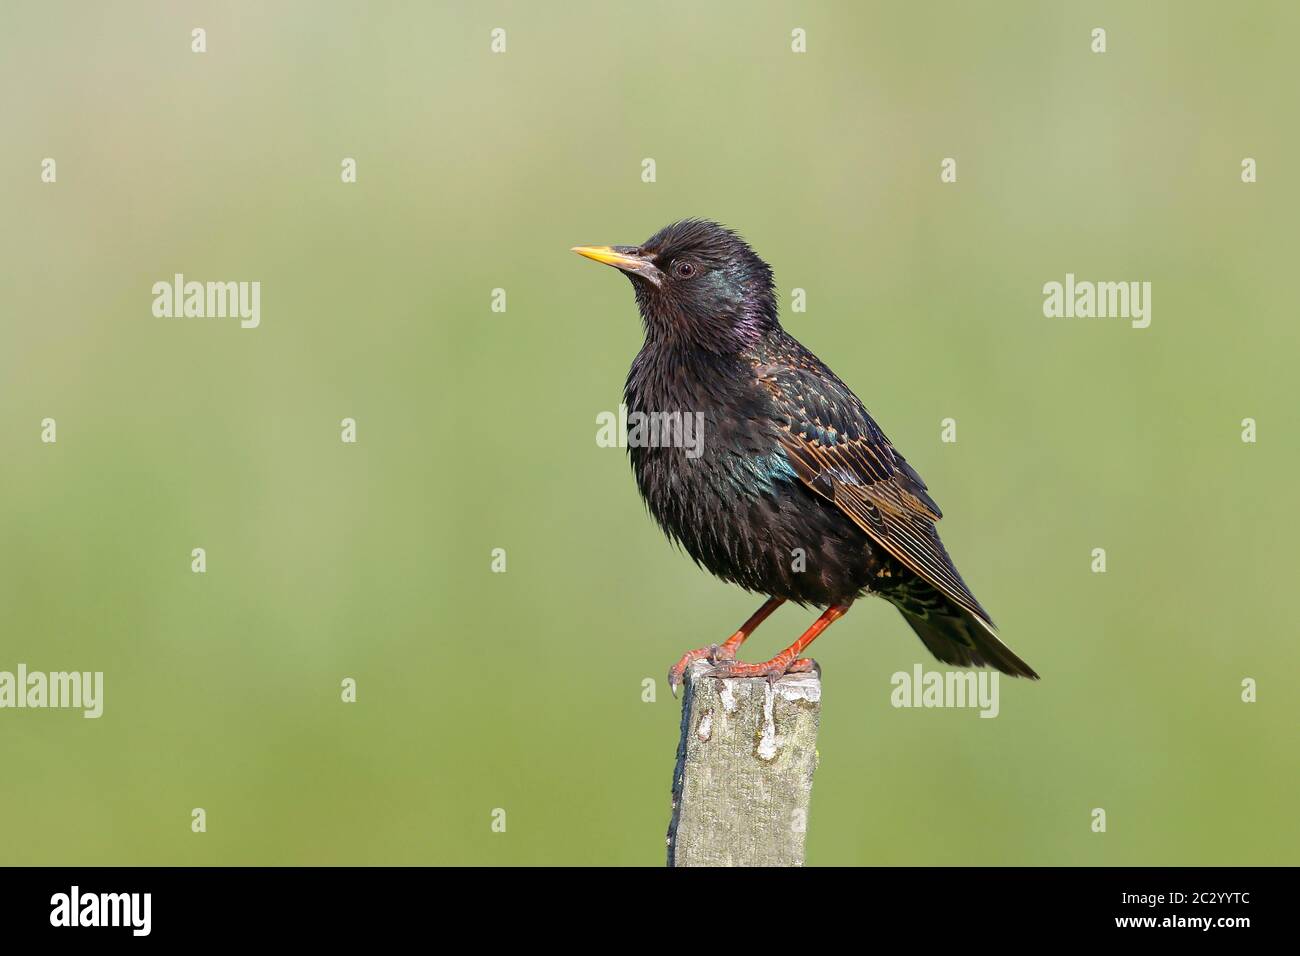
x=477, y=429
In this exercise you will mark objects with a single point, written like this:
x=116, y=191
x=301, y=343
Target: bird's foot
x=773, y=670
x=714, y=654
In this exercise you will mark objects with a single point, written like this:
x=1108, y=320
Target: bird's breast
x=707, y=461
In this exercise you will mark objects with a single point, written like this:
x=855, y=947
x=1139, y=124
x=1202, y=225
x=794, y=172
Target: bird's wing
x=841, y=454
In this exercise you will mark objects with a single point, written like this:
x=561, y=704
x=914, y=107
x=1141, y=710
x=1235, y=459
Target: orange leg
x=788, y=660
x=727, y=650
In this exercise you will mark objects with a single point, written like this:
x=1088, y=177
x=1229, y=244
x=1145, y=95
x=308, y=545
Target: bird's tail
x=957, y=636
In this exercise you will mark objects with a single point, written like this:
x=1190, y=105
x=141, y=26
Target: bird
x=794, y=492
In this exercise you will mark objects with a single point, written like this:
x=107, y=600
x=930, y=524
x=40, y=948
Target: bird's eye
x=683, y=269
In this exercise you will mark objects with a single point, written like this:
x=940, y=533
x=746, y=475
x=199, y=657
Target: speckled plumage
x=791, y=461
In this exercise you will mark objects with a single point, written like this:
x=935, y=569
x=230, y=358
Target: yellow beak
x=628, y=258
x=609, y=256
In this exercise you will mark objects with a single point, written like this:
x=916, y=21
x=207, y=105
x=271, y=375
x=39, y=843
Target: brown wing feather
x=862, y=478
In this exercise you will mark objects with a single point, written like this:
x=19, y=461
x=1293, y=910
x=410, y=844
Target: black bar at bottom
x=333, y=905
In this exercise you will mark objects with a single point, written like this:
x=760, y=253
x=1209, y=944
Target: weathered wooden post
x=744, y=771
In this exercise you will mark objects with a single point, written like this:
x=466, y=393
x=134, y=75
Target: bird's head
x=698, y=284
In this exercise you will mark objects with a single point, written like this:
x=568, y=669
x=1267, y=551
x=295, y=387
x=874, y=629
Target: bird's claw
x=714, y=654
x=773, y=670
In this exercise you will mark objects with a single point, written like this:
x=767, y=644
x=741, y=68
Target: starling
x=794, y=491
